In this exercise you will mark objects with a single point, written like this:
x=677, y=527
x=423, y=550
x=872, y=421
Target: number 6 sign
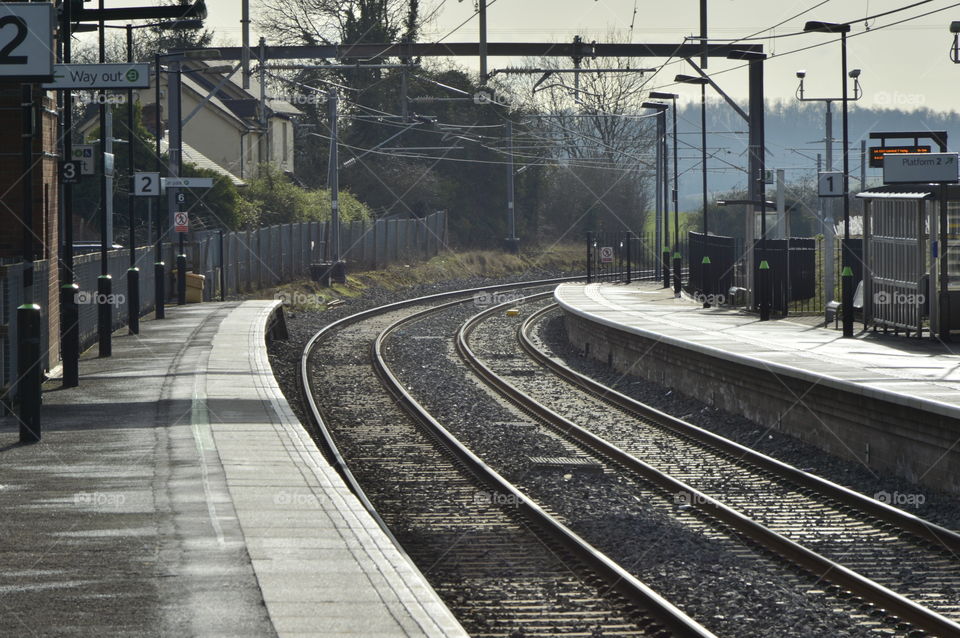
x=26, y=40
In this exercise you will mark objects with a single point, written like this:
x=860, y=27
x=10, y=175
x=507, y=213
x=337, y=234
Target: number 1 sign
x=831, y=184
x=26, y=41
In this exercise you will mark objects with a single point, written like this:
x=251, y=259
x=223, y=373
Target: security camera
x=854, y=73
x=801, y=74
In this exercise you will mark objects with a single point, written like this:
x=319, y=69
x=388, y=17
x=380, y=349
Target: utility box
x=195, y=287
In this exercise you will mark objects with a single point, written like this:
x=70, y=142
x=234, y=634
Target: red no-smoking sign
x=181, y=222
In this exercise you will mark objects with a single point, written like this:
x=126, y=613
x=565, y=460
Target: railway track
x=504, y=566
x=903, y=572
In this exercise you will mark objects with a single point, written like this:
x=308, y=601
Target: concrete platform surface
x=918, y=373
x=175, y=493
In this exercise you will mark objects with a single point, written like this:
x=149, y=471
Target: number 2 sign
x=26, y=40
x=146, y=184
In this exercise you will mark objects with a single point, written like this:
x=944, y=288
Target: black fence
x=623, y=256
x=712, y=279
x=796, y=267
x=793, y=272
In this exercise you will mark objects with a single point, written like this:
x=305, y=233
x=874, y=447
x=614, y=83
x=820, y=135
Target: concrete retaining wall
x=921, y=445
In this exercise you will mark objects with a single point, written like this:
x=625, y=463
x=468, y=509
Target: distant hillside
x=794, y=135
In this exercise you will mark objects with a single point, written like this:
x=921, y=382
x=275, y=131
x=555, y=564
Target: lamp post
x=703, y=82
x=663, y=185
x=756, y=164
x=846, y=258
x=828, y=225
x=659, y=95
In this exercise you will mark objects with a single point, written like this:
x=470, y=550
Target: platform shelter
x=911, y=253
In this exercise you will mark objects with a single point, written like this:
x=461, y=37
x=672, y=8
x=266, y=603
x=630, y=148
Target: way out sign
x=606, y=255
x=181, y=222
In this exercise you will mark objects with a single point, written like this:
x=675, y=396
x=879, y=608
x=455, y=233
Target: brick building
x=45, y=227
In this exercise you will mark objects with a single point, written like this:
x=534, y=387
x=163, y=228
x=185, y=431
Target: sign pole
x=159, y=268
x=104, y=281
x=29, y=388
x=944, y=296
x=133, y=273
x=69, y=313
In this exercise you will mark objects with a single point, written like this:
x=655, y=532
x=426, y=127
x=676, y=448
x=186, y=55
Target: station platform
x=175, y=493
x=891, y=402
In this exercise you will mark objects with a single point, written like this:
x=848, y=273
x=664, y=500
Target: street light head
x=690, y=79
x=854, y=73
x=826, y=27
x=660, y=95
x=801, y=74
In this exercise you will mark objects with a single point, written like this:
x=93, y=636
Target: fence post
x=589, y=260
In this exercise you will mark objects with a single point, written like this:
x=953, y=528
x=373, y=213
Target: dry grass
x=308, y=295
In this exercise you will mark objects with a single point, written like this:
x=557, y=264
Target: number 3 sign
x=26, y=41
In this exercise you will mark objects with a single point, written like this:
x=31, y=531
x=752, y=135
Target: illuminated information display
x=877, y=153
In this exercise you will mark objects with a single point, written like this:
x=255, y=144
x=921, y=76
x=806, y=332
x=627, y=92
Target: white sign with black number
x=606, y=255
x=830, y=184
x=146, y=184
x=26, y=40
x=70, y=172
x=920, y=168
x=181, y=222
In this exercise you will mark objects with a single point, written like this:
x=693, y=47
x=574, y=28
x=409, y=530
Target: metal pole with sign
x=104, y=281
x=69, y=313
x=133, y=273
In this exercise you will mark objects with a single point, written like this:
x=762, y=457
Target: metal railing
x=232, y=263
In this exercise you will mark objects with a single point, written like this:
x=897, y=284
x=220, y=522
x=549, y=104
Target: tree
x=274, y=199
x=599, y=142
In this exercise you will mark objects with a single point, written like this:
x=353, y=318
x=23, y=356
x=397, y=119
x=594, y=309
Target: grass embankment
x=309, y=295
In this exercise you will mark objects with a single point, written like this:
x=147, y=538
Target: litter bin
x=194, y=287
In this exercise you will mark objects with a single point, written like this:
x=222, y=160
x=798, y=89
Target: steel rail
x=617, y=578
x=893, y=603
x=930, y=532
x=316, y=416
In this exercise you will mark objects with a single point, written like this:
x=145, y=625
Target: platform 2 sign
x=26, y=41
x=146, y=184
x=921, y=168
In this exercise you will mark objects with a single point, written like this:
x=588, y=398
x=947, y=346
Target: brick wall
x=44, y=198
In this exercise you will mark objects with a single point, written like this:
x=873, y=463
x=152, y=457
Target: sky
x=905, y=65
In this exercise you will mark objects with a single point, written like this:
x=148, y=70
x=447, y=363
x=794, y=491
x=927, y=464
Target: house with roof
x=223, y=123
